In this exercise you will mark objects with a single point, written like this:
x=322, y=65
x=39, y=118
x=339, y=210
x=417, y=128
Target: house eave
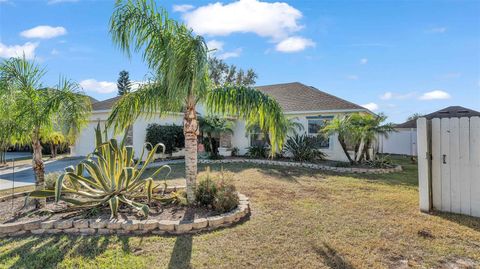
x=327, y=111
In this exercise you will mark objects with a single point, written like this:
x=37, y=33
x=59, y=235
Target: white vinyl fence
x=449, y=165
x=403, y=141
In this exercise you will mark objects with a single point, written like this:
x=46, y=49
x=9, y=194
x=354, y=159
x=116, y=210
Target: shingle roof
x=448, y=112
x=296, y=96
x=105, y=104
x=292, y=97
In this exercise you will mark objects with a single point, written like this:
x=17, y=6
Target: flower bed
x=360, y=170
x=104, y=226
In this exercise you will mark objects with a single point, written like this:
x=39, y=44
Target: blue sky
x=396, y=57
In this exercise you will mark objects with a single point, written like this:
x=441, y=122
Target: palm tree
x=340, y=126
x=37, y=108
x=54, y=139
x=214, y=125
x=179, y=62
x=370, y=127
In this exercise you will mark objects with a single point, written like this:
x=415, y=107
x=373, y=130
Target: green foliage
x=214, y=126
x=219, y=193
x=169, y=135
x=222, y=74
x=304, y=148
x=124, y=85
x=226, y=197
x=206, y=191
x=112, y=177
x=258, y=152
x=383, y=161
x=235, y=151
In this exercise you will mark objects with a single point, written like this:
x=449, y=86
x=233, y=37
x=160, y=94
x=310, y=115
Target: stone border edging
x=127, y=227
x=357, y=170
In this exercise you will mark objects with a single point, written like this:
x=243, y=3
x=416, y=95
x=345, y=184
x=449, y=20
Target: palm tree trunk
x=39, y=170
x=212, y=148
x=190, y=130
x=344, y=147
x=52, y=150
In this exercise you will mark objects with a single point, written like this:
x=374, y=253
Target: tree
x=54, y=139
x=179, y=61
x=36, y=107
x=341, y=126
x=123, y=83
x=360, y=130
x=221, y=74
x=214, y=125
x=7, y=123
x=414, y=116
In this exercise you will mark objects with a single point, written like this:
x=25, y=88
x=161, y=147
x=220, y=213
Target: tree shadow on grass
x=331, y=257
x=182, y=252
x=49, y=251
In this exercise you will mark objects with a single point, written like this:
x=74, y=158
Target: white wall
x=402, y=142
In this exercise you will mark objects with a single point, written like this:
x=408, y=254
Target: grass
x=300, y=219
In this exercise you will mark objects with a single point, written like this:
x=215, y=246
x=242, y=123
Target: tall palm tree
x=36, y=107
x=370, y=128
x=179, y=61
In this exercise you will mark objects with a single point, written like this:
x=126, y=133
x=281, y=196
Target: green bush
x=206, y=191
x=380, y=162
x=218, y=193
x=226, y=198
x=304, y=148
x=257, y=152
x=170, y=135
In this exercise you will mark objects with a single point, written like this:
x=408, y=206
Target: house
x=404, y=141
x=305, y=104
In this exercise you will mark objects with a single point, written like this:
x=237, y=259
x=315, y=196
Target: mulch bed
x=13, y=210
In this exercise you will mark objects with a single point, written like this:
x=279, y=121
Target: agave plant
x=108, y=175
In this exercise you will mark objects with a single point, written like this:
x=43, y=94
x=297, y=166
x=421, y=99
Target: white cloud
x=44, y=32
x=230, y=54
x=438, y=30
x=294, y=44
x=397, y=96
x=215, y=45
x=27, y=49
x=371, y=106
x=275, y=20
x=182, y=8
x=93, y=85
x=52, y=2
x=435, y=95
x=353, y=77
x=363, y=61
x=54, y=52
x=452, y=75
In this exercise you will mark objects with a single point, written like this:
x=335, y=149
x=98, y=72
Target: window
x=315, y=125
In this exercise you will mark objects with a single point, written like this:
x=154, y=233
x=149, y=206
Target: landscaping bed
x=17, y=219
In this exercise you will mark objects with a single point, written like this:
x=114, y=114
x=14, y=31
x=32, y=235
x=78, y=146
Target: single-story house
x=306, y=104
x=404, y=140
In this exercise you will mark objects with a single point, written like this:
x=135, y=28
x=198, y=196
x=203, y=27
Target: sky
x=395, y=57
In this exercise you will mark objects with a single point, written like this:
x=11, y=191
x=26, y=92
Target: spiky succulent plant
x=108, y=175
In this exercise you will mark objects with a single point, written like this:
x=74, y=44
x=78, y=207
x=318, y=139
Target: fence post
x=424, y=162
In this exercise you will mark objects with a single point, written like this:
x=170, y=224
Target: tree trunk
x=359, y=151
x=190, y=130
x=39, y=170
x=212, y=147
x=344, y=147
x=52, y=152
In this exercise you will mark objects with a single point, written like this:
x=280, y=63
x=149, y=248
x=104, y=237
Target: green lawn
x=300, y=219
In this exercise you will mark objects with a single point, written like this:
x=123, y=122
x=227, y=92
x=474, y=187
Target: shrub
x=226, y=198
x=50, y=180
x=170, y=135
x=206, y=191
x=112, y=177
x=257, y=151
x=380, y=162
x=304, y=148
x=235, y=151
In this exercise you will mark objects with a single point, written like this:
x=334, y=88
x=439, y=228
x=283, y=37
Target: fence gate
x=449, y=164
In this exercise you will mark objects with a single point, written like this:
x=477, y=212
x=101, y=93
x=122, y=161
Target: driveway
x=24, y=176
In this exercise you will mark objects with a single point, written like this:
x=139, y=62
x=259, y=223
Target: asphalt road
x=24, y=176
